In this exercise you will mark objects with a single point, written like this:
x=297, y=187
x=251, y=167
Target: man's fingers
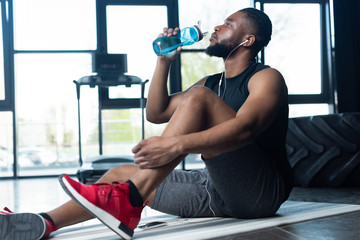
x=146, y=165
x=139, y=159
x=136, y=149
x=138, y=146
x=170, y=31
x=176, y=31
x=143, y=163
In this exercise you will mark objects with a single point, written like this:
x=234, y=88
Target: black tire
x=324, y=150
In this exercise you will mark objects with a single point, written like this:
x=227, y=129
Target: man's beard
x=220, y=49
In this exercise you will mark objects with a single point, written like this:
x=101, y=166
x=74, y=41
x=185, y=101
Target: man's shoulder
x=268, y=71
x=267, y=76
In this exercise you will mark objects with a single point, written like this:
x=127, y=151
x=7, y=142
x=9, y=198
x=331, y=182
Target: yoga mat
x=171, y=227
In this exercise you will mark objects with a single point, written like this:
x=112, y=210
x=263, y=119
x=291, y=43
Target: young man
x=236, y=120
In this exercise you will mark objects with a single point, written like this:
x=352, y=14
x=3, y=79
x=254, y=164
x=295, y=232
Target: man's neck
x=235, y=66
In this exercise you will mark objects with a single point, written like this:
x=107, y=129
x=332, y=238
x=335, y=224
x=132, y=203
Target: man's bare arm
x=160, y=105
x=267, y=93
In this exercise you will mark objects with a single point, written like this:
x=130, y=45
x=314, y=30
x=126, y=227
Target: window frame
x=105, y=102
x=175, y=83
x=8, y=104
x=173, y=21
x=6, y=24
x=327, y=87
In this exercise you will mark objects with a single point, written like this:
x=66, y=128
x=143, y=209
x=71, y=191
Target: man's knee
x=198, y=90
x=197, y=94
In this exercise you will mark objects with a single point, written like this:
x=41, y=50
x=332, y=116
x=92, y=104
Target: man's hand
x=168, y=32
x=156, y=151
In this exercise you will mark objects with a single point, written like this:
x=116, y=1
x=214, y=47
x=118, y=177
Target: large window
x=299, y=49
x=53, y=41
x=49, y=43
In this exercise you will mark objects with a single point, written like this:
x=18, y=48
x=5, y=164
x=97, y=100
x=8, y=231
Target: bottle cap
x=199, y=32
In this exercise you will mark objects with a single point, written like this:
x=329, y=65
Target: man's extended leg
x=22, y=226
x=71, y=213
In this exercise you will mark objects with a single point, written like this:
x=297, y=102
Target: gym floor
x=43, y=194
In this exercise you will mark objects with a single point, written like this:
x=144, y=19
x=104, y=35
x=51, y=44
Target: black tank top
x=272, y=140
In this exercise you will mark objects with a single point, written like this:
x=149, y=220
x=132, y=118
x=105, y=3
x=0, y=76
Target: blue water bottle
x=187, y=36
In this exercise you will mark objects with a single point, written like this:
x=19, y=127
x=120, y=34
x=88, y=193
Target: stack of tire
x=324, y=150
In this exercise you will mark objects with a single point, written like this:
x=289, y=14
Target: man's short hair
x=261, y=24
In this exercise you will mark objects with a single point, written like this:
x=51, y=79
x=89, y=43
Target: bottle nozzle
x=200, y=33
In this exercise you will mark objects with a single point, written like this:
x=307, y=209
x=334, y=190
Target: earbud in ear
x=243, y=42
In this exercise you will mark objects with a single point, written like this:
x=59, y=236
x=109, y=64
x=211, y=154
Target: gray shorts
x=186, y=194
x=242, y=183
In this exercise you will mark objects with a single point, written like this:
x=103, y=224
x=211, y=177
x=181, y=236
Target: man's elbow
x=249, y=133
x=155, y=118
x=246, y=138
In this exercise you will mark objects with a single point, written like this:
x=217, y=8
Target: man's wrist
x=163, y=60
x=181, y=145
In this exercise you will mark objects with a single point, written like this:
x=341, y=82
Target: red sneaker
x=109, y=203
x=23, y=226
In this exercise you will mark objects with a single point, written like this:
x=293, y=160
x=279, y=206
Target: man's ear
x=251, y=40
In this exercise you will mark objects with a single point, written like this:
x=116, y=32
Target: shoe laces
x=107, y=185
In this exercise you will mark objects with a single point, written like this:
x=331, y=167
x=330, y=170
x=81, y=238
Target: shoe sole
x=21, y=226
x=111, y=222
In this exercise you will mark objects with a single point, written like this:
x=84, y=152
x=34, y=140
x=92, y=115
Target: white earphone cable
x=224, y=73
x=206, y=188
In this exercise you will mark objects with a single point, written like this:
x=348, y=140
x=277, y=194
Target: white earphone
x=243, y=42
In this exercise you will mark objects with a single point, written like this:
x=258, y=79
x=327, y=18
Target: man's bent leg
x=257, y=187
x=199, y=109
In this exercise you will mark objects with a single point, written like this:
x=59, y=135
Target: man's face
x=227, y=36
